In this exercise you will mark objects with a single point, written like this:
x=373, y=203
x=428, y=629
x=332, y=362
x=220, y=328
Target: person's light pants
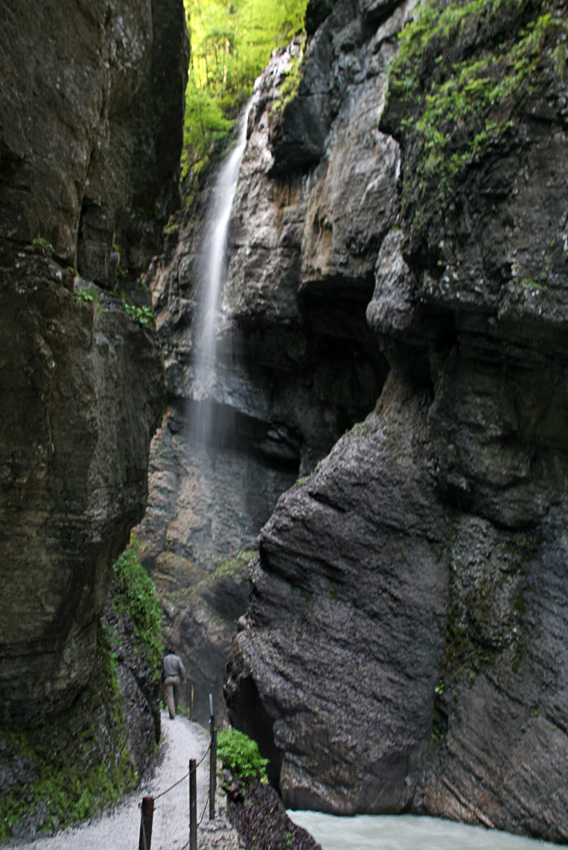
x=171, y=693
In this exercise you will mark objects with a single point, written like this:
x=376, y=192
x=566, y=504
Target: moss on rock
x=72, y=765
x=69, y=766
x=458, y=87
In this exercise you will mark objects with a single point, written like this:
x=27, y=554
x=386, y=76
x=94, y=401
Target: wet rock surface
x=261, y=820
x=396, y=654
x=297, y=364
x=97, y=745
x=402, y=648
x=330, y=688
x=89, y=149
x=76, y=442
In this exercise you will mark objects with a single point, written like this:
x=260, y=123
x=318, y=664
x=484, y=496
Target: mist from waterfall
x=213, y=268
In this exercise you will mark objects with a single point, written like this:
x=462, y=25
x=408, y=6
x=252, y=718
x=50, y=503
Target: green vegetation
x=464, y=655
x=42, y=246
x=240, y=755
x=463, y=71
x=134, y=595
x=144, y=315
x=86, y=296
x=234, y=566
x=484, y=627
x=231, y=43
x=201, y=588
x=289, y=87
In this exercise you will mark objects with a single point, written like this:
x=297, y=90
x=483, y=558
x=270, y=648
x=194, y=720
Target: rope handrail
x=167, y=791
x=204, y=756
x=147, y=804
x=200, y=821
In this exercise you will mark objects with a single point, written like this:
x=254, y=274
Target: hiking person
x=173, y=677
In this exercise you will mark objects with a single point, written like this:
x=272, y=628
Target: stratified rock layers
x=297, y=364
x=404, y=647
x=91, y=133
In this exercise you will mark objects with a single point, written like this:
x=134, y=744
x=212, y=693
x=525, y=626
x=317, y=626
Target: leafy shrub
x=42, y=246
x=143, y=315
x=135, y=595
x=240, y=755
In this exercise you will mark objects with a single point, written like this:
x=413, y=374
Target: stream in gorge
x=407, y=832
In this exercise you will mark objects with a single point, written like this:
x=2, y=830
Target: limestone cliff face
x=404, y=646
x=90, y=132
x=297, y=364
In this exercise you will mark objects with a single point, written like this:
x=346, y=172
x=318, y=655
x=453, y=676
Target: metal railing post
x=212, y=768
x=146, y=818
x=192, y=805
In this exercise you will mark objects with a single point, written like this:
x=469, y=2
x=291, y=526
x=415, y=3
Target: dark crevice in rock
x=246, y=703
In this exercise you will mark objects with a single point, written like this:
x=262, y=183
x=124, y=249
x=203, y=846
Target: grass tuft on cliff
x=134, y=596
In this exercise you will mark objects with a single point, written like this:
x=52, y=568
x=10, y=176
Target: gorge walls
x=404, y=645
x=297, y=364
x=92, y=111
x=390, y=400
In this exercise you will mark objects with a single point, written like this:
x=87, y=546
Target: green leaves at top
x=231, y=42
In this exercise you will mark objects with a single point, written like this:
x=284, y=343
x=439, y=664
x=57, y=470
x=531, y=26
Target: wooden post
x=146, y=818
x=212, y=768
x=192, y=805
x=191, y=703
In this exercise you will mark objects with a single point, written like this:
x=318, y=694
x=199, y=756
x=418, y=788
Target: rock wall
x=296, y=362
x=72, y=765
x=403, y=648
x=89, y=146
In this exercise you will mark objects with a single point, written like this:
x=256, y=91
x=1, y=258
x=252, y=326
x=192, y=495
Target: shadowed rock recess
x=92, y=112
x=405, y=646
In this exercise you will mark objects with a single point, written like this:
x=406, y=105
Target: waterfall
x=213, y=272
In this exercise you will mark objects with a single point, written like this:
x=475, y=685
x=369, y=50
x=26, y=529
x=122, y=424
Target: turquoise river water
x=407, y=832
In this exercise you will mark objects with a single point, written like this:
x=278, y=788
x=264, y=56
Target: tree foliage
x=231, y=42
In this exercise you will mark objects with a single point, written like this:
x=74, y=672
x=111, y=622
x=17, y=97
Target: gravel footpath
x=119, y=829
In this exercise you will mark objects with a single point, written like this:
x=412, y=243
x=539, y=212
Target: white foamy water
x=407, y=832
x=214, y=265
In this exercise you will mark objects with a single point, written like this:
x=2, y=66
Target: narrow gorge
x=361, y=554
x=391, y=342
